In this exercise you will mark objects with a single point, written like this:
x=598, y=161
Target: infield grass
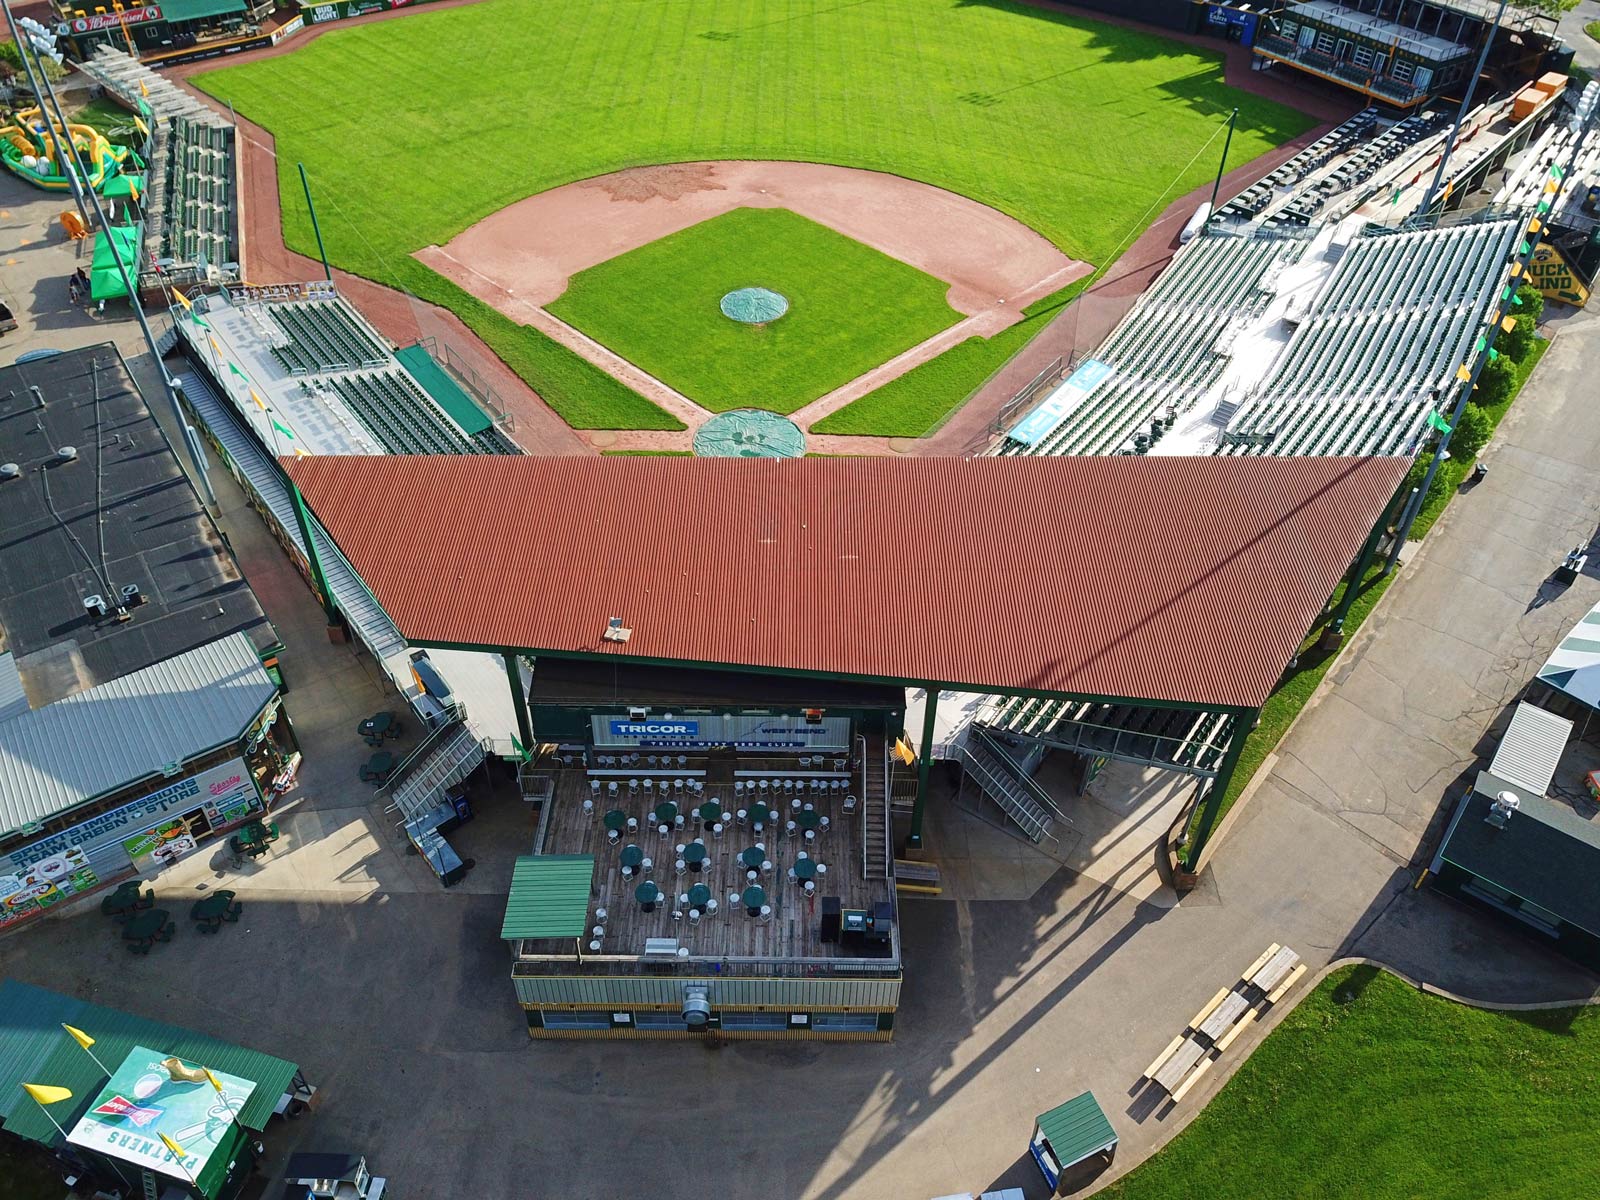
x=415, y=128
x=851, y=308
x=1372, y=1090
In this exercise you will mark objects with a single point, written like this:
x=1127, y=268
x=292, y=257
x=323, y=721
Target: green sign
x=152, y=1094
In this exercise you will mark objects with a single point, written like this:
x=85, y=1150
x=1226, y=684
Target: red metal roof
x=1155, y=578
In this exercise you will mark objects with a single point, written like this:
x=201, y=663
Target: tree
x=11, y=66
x=1419, y=472
x=1532, y=302
x=1496, y=383
x=1549, y=8
x=1472, y=432
x=1516, y=343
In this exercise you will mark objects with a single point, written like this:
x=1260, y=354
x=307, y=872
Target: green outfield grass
x=1371, y=1090
x=850, y=309
x=413, y=129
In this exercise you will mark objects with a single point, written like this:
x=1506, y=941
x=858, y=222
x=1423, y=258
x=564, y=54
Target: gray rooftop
x=137, y=725
x=121, y=512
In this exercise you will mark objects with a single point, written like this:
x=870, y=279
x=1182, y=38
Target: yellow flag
x=213, y=342
x=301, y=453
x=1463, y=374
x=182, y=299
x=1534, y=226
x=1508, y=323
x=146, y=92
x=44, y=1093
x=143, y=128
x=79, y=1036
x=260, y=403
x=215, y=1082
x=173, y=1146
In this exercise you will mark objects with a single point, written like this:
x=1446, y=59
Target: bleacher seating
x=191, y=202
x=322, y=336
x=401, y=415
x=1380, y=348
x=1165, y=353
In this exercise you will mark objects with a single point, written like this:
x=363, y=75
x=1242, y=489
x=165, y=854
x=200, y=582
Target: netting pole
x=315, y=228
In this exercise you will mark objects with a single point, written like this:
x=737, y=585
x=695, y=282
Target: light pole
x=1466, y=103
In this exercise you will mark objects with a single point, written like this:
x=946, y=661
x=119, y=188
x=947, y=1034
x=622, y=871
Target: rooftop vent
x=67, y=453
x=132, y=597
x=95, y=606
x=616, y=631
x=696, y=1007
x=10, y=471
x=1500, y=811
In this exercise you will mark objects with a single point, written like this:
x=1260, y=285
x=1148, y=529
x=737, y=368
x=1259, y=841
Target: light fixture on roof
x=616, y=631
x=1500, y=811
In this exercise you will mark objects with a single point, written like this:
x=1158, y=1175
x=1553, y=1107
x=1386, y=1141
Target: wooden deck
x=728, y=932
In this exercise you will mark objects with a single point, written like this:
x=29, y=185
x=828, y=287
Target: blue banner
x=1090, y=374
x=655, y=729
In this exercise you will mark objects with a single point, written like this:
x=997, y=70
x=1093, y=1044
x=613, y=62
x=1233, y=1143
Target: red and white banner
x=128, y=16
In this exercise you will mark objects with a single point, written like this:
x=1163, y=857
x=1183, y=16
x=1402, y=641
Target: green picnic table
x=698, y=895
x=753, y=857
x=632, y=855
x=711, y=812
x=694, y=854
x=377, y=768
x=615, y=819
x=146, y=928
x=647, y=894
x=754, y=897
x=666, y=812
x=761, y=814
x=808, y=818
x=126, y=899
x=209, y=912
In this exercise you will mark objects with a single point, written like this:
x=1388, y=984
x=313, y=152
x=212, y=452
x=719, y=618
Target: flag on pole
x=1463, y=374
x=260, y=403
x=235, y=370
x=213, y=342
x=143, y=128
x=301, y=453
x=1435, y=421
x=79, y=1036
x=144, y=89
x=44, y=1093
x=1483, y=344
x=174, y=1147
x=283, y=429
x=1508, y=323
x=183, y=300
x=1493, y=354
x=1534, y=226
x=1395, y=199
x=215, y=1082
x=1557, y=171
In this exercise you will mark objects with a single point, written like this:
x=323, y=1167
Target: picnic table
x=379, y=726
x=376, y=769
x=145, y=929
x=209, y=912
x=126, y=899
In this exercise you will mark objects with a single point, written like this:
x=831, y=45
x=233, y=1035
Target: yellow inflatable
x=29, y=150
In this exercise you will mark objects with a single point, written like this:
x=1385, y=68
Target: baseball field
x=417, y=129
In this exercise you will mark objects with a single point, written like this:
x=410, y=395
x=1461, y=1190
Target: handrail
x=1002, y=755
x=888, y=811
x=861, y=740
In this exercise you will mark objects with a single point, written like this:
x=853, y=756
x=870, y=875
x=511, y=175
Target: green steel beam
x=317, y=577
x=1244, y=721
x=930, y=710
x=519, y=701
x=1358, y=572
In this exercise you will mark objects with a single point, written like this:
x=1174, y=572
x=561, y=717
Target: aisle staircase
x=876, y=855
x=1023, y=802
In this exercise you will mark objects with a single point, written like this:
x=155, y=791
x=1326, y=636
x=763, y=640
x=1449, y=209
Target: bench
x=918, y=877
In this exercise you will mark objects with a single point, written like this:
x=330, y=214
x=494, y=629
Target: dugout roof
x=1179, y=580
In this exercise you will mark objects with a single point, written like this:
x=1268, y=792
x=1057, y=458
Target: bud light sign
x=655, y=729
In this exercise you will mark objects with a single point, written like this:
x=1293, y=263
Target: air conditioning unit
x=1500, y=811
x=697, y=1007
x=95, y=606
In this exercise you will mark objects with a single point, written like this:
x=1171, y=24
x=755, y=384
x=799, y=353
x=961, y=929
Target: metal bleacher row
x=194, y=220
x=1165, y=352
x=1398, y=316
x=401, y=416
x=322, y=336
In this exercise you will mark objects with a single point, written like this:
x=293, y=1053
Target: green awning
x=549, y=896
x=444, y=390
x=1077, y=1130
x=105, y=281
x=193, y=10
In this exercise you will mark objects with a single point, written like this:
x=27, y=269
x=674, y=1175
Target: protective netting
x=749, y=433
x=754, y=305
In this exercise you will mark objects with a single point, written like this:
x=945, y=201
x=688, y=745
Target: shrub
x=1419, y=471
x=1532, y=301
x=1517, y=341
x=1472, y=431
x=1497, y=382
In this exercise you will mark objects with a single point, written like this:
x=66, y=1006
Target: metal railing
x=467, y=375
x=1053, y=372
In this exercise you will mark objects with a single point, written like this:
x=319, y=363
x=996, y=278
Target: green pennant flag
x=1557, y=171
x=1483, y=344
x=1508, y=293
x=1395, y=199
x=283, y=429
x=1435, y=421
x=1493, y=354
x=237, y=372
x=1517, y=300
x=1526, y=248
x=1544, y=206
x=195, y=317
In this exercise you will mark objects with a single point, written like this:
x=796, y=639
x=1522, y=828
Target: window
x=659, y=1020
x=1289, y=28
x=844, y=1022
x=800, y=1019
x=1423, y=78
x=1403, y=68
x=1307, y=36
x=748, y=1021
x=1325, y=42
x=1362, y=56
x=576, y=1020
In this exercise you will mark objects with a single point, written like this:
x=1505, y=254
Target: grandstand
x=1381, y=348
x=307, y=372
x=191, y=202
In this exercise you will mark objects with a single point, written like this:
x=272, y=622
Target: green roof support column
x=930, y=710
x=318, y=579
x=1333, y=632
x=1244, y=720
x=519, y=701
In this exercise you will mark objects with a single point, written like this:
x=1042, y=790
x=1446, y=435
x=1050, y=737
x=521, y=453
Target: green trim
x=930, y=715
x=302, y=518
x=519, y=702
x=1243, y=720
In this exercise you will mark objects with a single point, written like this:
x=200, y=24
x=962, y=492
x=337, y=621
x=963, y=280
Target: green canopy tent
x=124, y=185
x=105, y=281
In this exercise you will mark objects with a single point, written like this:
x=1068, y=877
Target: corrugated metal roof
x=135, y=725
x=1077, y=1129
x=1179, y=579
x=13, y=696
x=549, y=896
x=1531, y=748
x=34, y=1049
